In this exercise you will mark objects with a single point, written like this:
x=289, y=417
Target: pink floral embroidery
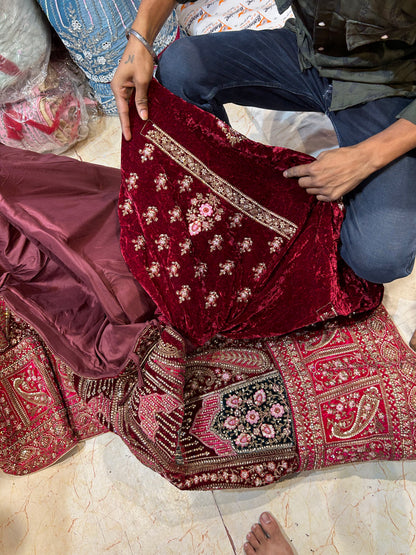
x=215, y=243
x=259, y=397
x=252, y=416
x=147, y=152
x=174, y=269
x=161, y=181
x=234, y=401
x=243, y=440
x=259, y=270
x=244, y=295
x=211, y=299
x=139, y=243
x=195, y=227
x=275, y=244
x=206, y=209
x=162, y=242
x=236, y=219
x=175, y=214
x=267, y=431
x=227, y=267
x=153, y=270
x=184, y=293
x=150, y=215
x=185, y=246
x=231, y=422
x=200, y=269
x=246, y=244
x=185, y=184
x=277, y=410
x=132, y=181
x=126, y=208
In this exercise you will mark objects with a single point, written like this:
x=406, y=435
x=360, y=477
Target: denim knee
x=374, y=261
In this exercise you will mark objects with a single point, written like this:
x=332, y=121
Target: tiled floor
x=100, y=499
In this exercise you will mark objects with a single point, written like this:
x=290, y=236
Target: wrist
x=130, y=32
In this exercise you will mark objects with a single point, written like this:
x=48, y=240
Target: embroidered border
x=220, y=186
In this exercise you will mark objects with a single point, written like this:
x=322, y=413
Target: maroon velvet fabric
x=60, y=261
x=222, y=242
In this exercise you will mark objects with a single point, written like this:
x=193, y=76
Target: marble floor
x=99, y=499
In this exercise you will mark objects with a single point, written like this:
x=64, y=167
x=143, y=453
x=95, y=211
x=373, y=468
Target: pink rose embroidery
x=259, y=397
x=234, y=401
x=206, y=210
x=277, y=410
x=243, y=440
x=195, y=227
x=231, y=422
x=252, y=416
x=267, y=431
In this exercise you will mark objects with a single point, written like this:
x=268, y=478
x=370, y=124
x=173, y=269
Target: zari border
x=217, y=184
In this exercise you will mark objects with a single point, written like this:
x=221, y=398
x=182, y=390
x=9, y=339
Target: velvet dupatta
x=221, y=241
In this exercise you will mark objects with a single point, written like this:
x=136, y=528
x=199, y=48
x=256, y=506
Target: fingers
x=298, y=171
x=141, y=102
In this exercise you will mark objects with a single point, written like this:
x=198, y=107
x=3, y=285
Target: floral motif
x=215, y=243
x=161, y=182
x=244, y=295
x=259, y=397
x=127, y=207
x=252, y=416
x=277, y=410
x=184, y=293
x=185, y=184
x=131, y=181
x=195, y=227
x=227, y=267
x=147, y=152
x=236, y=219
x=162, y=242
x=173, y=269
x=203, y=213
x=256, y=416
x=211, y=299
x=185, y=246
x=201, y=269
x=150, y=215
x=275, y=244
x=245, y=245
x=232, y=135
x=259, y=270
x=139, y=243
x=153, y=270
x=175, y=214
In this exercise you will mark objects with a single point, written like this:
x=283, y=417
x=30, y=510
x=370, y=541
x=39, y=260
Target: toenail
x=266, y=518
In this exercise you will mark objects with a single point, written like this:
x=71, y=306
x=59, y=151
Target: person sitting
x=355, y=62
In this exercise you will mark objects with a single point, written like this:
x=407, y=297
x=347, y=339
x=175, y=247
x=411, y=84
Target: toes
x=269, y=525
x=248, y=549
x=258, y=533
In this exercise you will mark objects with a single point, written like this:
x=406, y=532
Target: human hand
x=334, y=173
x=135, y=71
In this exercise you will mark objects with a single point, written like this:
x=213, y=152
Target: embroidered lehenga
x=186, y=347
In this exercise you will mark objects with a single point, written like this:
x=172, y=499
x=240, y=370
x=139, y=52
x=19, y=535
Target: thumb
x=141, y=102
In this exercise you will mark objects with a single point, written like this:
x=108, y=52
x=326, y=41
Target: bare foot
x=266, y=538
x=413, y=341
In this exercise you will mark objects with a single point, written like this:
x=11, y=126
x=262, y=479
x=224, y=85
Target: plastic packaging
x=25, y=45
x=53, y=117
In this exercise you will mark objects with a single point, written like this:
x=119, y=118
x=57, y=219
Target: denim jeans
x=261, y=69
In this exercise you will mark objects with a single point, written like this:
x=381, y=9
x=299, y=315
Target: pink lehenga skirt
x=187, y=347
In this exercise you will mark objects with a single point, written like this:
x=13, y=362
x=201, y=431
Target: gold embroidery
x=220, y=186
x=367, y=409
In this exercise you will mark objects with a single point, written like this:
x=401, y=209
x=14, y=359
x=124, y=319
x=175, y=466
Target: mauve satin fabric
x=60, y=261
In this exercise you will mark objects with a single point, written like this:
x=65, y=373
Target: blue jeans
x=260, y=68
